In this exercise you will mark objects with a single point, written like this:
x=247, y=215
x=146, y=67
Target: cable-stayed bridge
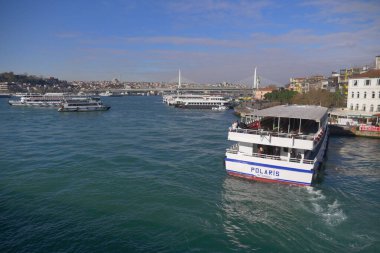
x=243, y=87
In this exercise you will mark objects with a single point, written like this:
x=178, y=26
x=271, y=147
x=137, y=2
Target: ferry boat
x=284, y=144
x=203, y=102
x=37, y=100
x=172, y=99
x=110, y=94
x=83, y=105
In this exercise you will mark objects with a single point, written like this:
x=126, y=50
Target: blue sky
x=210, y=40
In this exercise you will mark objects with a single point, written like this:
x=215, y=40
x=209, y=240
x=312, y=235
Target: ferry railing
x=272, y=133
x=235, y=149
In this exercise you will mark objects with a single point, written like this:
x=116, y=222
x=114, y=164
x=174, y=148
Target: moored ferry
x=172, y=99
x=35, y=100
x=84, y=104
x=203, y=102
x=284, y=144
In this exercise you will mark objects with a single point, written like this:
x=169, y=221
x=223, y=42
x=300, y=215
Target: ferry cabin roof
x=316, y=113
x=290, y=118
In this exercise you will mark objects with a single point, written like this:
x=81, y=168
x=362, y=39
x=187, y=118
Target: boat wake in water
x=330, y=212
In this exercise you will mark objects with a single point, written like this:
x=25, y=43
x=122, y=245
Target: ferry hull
x=93, y=109
x=265, y=180
x=196, y=106
x=269, y=172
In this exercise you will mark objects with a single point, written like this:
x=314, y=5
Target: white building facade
x=364, y=92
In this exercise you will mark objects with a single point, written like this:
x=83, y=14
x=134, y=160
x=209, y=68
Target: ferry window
x=355, y=82
x=371, y=108
x=358, y=94
x=367, y=82
x=365, y=94
x=357, y=107
x=351, y=107
x=373, y=94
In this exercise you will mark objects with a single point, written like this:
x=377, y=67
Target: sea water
x=146, y=177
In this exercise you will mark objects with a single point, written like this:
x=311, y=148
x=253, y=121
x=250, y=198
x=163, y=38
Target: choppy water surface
x=145, y=177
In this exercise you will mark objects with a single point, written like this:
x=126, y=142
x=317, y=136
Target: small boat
x=88, y=104
x=283, y=144
x=219, y=108
x=110, y=94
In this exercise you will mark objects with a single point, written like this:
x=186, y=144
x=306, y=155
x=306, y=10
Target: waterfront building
x=297, y=84
x=4, y=90
x=364, y=92
x=260, y=93
x=305, y=84
x=346, y=74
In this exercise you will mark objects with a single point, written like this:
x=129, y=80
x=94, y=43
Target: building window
x=373, y=94
x=365, y=94
x=353, y=95
x=357, y=107
x=371, y=108
x=378, y=108
x=358, y=94
x=351, y=107
x=355, y=82
x=367, y=82
x=378, y=81
x=363, y=107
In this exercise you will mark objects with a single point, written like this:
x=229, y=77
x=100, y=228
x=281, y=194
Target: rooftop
x=373, y=73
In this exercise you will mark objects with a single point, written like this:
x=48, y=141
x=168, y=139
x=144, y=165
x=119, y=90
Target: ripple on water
x=148, y=177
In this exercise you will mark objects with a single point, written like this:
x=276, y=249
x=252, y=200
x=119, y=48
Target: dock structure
x=360, y=131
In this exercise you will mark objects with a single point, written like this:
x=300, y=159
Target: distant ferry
x=5, y=95
x=203, y=102
x=46, y=100
x=173, y=98
x=87, y=104
x=195, y=101
x=284, y=144
x=110, y=94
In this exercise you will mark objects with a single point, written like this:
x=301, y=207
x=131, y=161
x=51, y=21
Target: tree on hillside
x=320, y=97
x=282, y=96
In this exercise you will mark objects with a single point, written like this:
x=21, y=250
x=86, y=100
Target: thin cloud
x=355, y=13
x=68, y=35
x=211, y=9
x=176, y=40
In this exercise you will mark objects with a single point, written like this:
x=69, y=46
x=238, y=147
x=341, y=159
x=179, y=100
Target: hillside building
x=364, y=92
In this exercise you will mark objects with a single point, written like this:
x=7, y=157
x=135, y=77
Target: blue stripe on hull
x=269, y=166
x=272, y=179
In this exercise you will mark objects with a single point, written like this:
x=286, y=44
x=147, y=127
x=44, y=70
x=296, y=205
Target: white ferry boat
x=173, y=98
x=284, y=144
x=203, y=102
x=110, y=94
x=83, y=105
x=34, y=100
